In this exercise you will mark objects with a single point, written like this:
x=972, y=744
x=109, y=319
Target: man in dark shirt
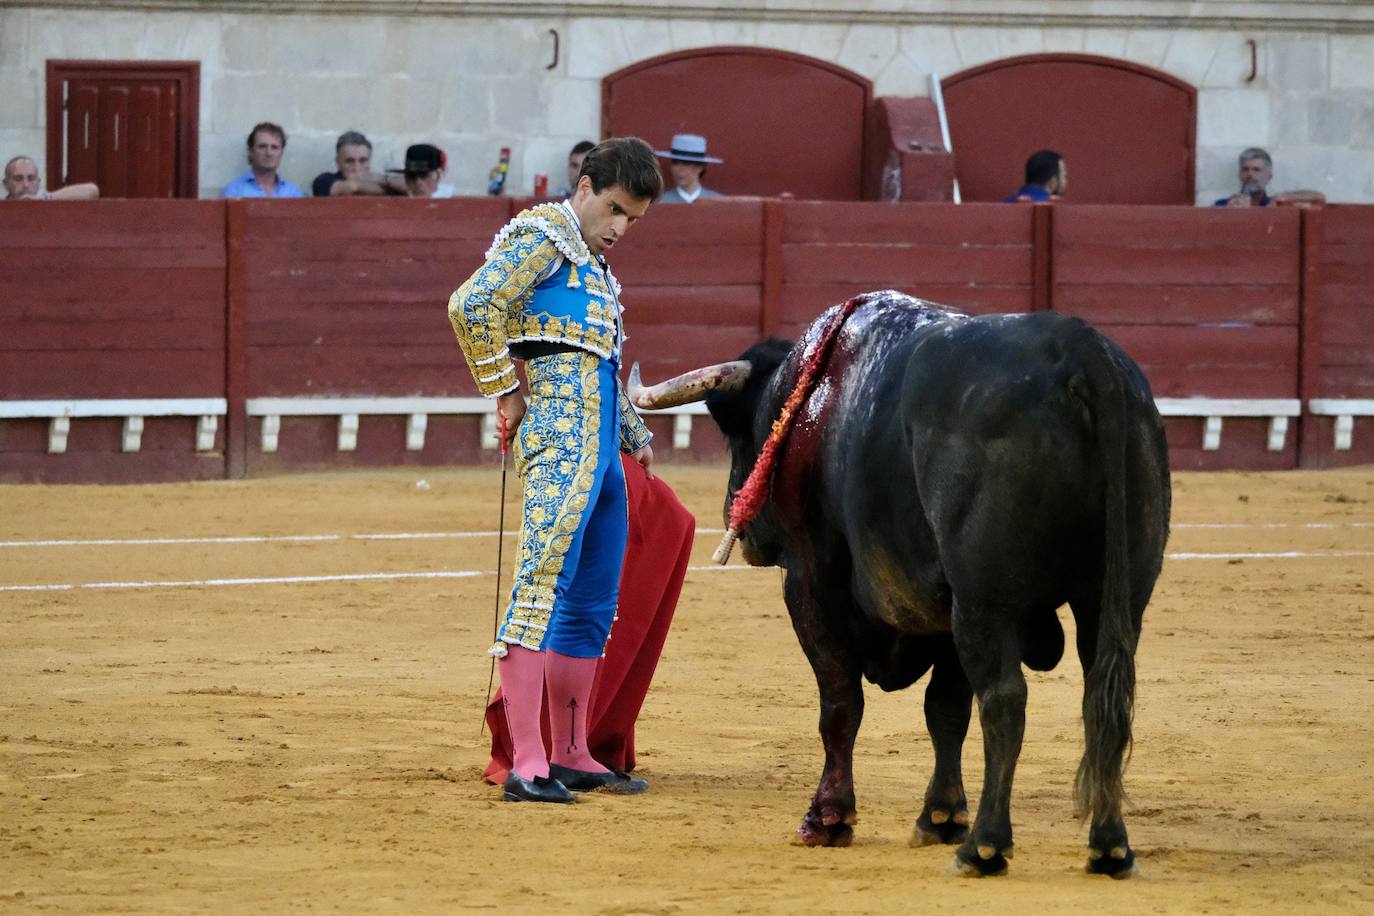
x=353, y=156
x=575, y=157
x=1046, y=179
x=1256, y=171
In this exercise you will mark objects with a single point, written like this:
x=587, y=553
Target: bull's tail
x=1109, y=682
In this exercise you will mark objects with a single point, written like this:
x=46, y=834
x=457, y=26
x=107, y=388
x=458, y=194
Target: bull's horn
x=690, y=386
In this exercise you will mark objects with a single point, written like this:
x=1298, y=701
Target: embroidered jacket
x=540, y=283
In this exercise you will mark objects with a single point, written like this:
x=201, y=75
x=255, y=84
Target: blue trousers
x=574, y=523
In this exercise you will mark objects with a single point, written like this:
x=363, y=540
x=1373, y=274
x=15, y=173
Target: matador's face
x=607, y=216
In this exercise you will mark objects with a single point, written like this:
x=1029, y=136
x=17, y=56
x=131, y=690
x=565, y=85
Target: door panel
x=782, y=122
x=130, y=128
x=112, y=157
x=1127, y=133
x=83, y=129
x=152, y=166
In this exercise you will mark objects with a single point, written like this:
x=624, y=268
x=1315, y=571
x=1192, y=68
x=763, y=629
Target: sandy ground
x=314, y=746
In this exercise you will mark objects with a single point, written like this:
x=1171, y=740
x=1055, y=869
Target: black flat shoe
x=538, y=789
x=584, y=781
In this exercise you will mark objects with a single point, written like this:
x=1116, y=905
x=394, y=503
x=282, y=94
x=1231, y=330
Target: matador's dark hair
x=628, y=162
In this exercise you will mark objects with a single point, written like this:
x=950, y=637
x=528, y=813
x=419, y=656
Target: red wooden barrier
x=977, y=257
x=1343, y=330
x=693, y=279
x=252, y=299
x=110, y=299
x=347, y=297
x=1206, y=301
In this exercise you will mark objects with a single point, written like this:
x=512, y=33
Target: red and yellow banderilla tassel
x=749, y=500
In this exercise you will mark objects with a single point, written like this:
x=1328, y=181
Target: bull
x=948, y=484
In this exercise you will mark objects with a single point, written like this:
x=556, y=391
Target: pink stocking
x=522, y=689
x=569, y=683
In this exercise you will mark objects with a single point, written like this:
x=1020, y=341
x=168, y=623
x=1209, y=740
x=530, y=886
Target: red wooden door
x=1127, y=133
x=782, y=122
x=131, y=129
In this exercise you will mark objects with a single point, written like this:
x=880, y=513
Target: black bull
x=950, y=483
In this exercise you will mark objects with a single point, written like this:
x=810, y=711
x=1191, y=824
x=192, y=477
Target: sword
x=500, y=545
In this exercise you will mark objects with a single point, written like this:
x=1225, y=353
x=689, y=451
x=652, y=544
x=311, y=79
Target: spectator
x=575, y=157
x=266, y=145
x=425, y=164
x=353, y=156
x=687, y=162
x=1046, y=179
x=21, y=183
x=1256, y=171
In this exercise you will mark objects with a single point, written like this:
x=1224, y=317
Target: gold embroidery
x=556, y=453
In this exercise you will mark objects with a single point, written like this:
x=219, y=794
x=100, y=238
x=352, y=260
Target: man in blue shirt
x=266, y=145
x=1256, y=171
x=1046, y=179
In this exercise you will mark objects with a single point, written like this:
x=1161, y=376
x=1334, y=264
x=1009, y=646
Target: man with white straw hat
x=688, y=165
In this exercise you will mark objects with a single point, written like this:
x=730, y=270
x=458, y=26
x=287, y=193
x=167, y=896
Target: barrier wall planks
x=976, y=257
x=1345, y=331
x=693, y=279
x=111, y=299
x=250, y=299
x=1206, y=301
x=349, y=297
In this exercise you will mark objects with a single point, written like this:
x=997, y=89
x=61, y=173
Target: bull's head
x=743, y=401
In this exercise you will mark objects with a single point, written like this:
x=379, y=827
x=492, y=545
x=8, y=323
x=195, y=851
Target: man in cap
x=687, y=162
x=425, y=164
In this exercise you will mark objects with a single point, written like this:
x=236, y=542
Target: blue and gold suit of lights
x=540, y=285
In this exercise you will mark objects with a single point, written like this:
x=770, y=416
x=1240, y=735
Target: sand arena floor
x=313, y=746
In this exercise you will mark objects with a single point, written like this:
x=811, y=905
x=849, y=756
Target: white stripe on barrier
x=469, y=573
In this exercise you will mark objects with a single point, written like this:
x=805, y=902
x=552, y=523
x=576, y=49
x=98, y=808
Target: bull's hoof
x=937, y=826
x=984, y=862
x=827, y=826
x=1118, y=862
x=822, y=835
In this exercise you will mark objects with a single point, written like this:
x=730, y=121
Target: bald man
x=21, y=183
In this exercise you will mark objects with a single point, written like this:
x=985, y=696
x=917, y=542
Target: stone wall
x=472, y=77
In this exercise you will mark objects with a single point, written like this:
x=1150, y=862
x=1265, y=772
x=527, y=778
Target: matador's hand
x=511, y=406
x=644, y=458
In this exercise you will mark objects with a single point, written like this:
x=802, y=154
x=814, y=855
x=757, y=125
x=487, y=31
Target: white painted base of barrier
x=350, y=410
x=1345, y=410
x=1213, y=410
x=60, y=413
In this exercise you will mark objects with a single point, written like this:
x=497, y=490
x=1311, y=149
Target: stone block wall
x=473, y=77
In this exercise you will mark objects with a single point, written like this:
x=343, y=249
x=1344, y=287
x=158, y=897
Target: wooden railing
x=1235, y=316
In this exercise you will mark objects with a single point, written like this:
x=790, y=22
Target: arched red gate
x=1127, y=133
x=783, y=122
